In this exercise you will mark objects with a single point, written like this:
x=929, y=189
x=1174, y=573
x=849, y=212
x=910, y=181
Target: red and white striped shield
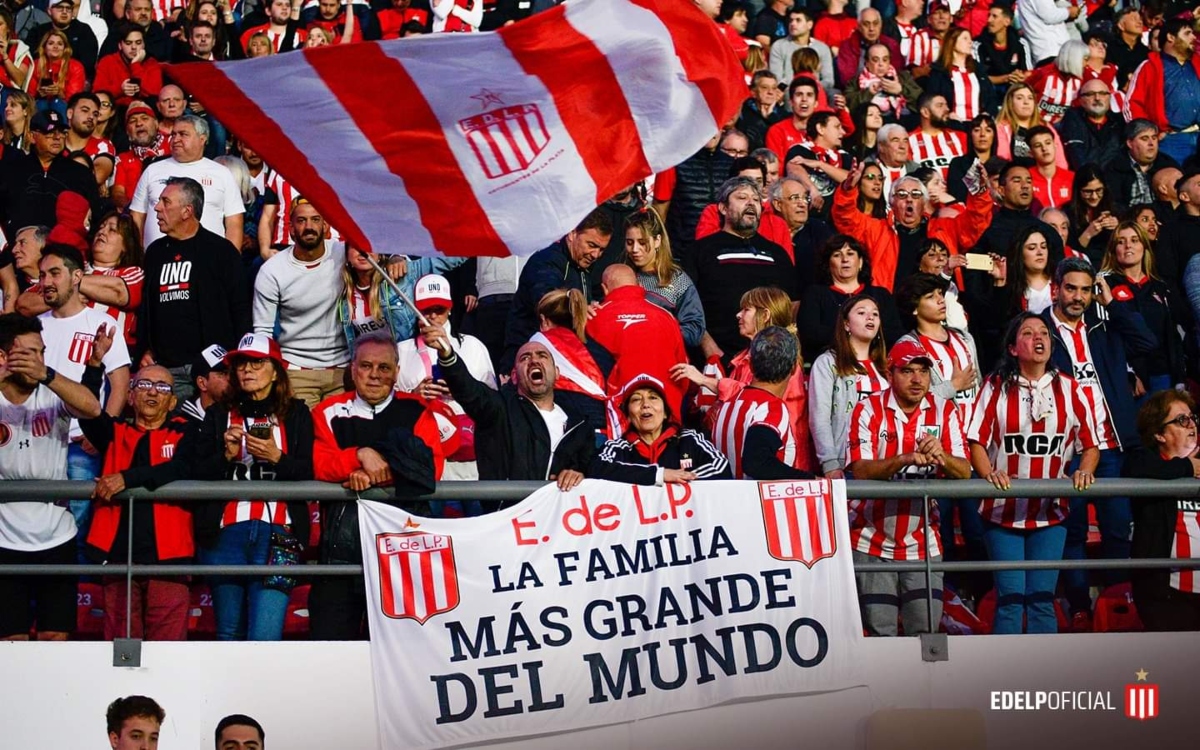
x=42, y=423
x=506, y=140
x=417, y=577
x=81, y=347
x=1141, y=701
x=798, y=519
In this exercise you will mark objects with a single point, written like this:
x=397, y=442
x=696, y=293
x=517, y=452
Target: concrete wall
x=319, y=695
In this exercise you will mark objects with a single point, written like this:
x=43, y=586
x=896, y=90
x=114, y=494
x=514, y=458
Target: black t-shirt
x=769, y=23
x=195, y=295
x=723, y=267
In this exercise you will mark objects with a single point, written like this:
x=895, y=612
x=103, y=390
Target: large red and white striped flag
x=482, y=144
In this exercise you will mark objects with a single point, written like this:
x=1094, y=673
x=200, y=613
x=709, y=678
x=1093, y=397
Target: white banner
x=606, y=604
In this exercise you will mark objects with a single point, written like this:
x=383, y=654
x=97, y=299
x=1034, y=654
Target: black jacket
x=546, y=270
x=1153, y=520
x=1154, y=300
x=752, y=123
x=511, y=439
x=994, y=62
x=158, y=43
x=1114, y=333
x=1087, y=144
x=939, y=82
x=697, y=180
x=1119, y=177
x=819, y=309
x=628, y=459
x=28, y=193
x=206, y=455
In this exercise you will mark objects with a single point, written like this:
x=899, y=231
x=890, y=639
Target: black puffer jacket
x=697, y=180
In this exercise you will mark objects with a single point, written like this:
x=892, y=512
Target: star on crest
x=487, y=98
x=1142, y=675
x=410, y=525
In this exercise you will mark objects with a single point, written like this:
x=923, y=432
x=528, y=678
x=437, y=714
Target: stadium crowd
x=939, y=240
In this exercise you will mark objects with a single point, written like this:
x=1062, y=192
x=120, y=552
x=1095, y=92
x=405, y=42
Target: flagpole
x=396, y=287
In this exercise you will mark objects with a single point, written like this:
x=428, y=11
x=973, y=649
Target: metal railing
x=498, y=491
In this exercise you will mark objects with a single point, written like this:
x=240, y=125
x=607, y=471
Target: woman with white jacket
x=853, y=369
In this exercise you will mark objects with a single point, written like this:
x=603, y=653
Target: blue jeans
x=1115, y=518
x=82, y=467
x=969, y=520
x=243, y=607
x=1025, y=594
x=1178, y=146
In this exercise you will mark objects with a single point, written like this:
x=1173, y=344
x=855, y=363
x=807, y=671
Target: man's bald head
x=617, y=276
x=156, y=373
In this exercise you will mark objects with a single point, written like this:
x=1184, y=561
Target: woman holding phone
x=259, y=433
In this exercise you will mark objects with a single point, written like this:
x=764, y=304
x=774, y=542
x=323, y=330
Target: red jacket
x=1051, y=192
x=342, y=424
x=144, y=460
x=642, y=337
x=882, y=243
x=112, y=71
x=1145, y=89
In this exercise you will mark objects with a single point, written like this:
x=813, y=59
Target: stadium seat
x=1115, y=611
x=89, y=612
x=987, y=612
x=295, y=622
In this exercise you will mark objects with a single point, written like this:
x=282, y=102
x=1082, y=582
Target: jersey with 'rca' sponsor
x=936, y=151
x=1030, y=431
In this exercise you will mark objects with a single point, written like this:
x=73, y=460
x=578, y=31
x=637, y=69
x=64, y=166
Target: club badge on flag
x=417, y=575
x=517, y=145
x=1141, y=699
x=798, y=518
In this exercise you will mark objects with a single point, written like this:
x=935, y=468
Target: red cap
x=907, y=351
x=256, y=346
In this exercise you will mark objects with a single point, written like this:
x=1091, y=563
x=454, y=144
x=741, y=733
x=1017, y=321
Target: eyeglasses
x=250, y=364
x=804, y=198
x=1095, y=93
x=873, y=177
x=151, y=385
x=736, y=152
x=106, y=105
x=1183, y=420
x=902, y=194
x=1093, y=191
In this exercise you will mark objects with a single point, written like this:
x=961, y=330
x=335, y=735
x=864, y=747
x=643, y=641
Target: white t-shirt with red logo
x=33, y=445
x=69, y=344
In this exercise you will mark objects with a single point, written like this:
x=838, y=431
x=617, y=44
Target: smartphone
x=136, y=81
x=47, y=81
x=979, y=262
x=260, y=429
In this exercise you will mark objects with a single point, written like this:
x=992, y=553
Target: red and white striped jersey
x=923, y=49
x=1056, y=92
x=966, y=93
x=930, y=150
x=890, y=175
x=164, y=8
x=947, y=355
x=269, y=178
x=1186, y=545
x=276, y=37
x=1030, y=431
x=249, y=468
x=126, y=318
x=1091, y=393
x=879, y=429
x=753, y=406
x=907, y=31
x=872, y=382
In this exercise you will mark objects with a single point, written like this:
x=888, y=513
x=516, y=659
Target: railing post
x=934, y=645
x=127, y=651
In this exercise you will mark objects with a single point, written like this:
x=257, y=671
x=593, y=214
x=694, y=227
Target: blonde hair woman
x=762, y=307
x=648, y=252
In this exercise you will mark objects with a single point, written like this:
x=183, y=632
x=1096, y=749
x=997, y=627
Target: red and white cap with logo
x=256, y=346
x=432, y=291
x=904, y=353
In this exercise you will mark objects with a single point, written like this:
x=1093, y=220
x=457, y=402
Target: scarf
x=886, y=102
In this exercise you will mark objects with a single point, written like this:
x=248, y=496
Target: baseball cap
x=255, y=346
x=212, y=359
x=432, y=291
x=939, y=5
x=47, y=121
x=60, y=2
x=138, y=106
x=904, y=353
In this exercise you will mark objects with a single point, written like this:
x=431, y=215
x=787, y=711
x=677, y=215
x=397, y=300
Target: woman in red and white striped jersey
x=953, y=76
x=260, y=432
x=117, y=253
x=1166, y=526
x=1027, y=422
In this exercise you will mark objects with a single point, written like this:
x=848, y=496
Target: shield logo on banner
x=417, y=576
x=798, y=519
x=1141, y=701
x=506, y=140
